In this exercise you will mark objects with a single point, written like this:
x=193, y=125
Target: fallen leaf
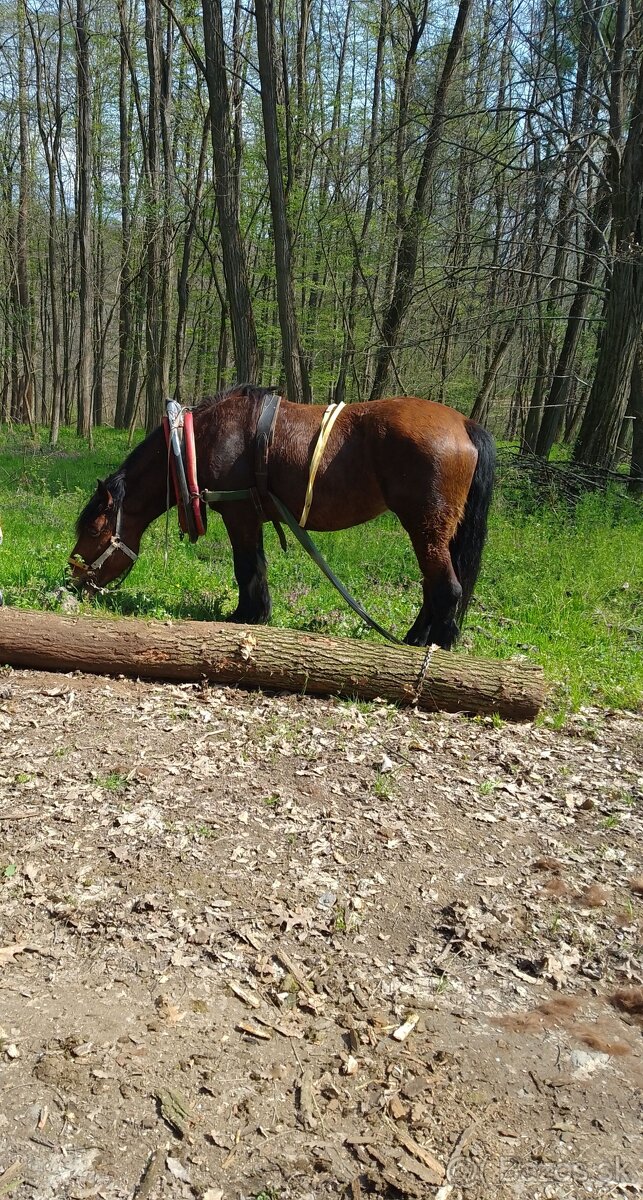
x=176, y=1168
x=559, y=967
x=8, y=953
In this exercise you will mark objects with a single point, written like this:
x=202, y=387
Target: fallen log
x=265, y=657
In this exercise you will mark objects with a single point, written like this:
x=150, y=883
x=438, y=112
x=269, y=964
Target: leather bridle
x=115, y=543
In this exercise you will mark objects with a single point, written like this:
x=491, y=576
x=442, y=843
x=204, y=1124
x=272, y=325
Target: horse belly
x=341, y=505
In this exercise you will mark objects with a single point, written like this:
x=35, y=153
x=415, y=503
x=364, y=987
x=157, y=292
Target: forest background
x=348, y=197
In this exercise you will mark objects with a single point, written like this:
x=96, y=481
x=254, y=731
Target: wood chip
x=150, y=1176
x=249, y=998
x=460, y=1146
x=403, y=1184
x=286, y=961
x=379, y=1156
x=176, y=1168
x=8, y=953
x=11, y=1178
x=397, y=1109
x=436, y=1168
x=394, y=1178
x=353, y=1037
x=402, y=1032
x=256, y=1031
x=350, y=1066
x=417, y=1168
x=307, y=1099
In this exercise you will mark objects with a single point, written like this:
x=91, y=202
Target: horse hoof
x=415, y=639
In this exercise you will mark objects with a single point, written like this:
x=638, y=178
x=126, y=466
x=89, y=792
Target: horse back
x=380, y=455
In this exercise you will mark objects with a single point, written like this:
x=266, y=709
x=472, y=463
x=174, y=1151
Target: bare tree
x=598, y=438
x=294, y=362
x=227, y=193
x=84, y=221
x=410, y=233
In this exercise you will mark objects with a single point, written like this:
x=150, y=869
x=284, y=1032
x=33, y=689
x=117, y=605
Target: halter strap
x=115, y=543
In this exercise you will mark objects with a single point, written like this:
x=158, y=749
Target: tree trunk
x=25, y=400
x=635, y=482
x=125, y=279
x=84, y=216
x=556, y=403
x=598, y=438
x=51, y=137
x=270, y=658
x=411, y=232
x=156, y=342
x=297, y=382
x=227, y=193
x=182, y=283
x=347, y=361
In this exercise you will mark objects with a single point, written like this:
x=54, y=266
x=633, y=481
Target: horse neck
x=146, y=493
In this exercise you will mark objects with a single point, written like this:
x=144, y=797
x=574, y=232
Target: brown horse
x=428, y=464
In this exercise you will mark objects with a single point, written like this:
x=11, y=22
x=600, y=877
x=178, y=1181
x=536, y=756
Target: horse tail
x=468, y=541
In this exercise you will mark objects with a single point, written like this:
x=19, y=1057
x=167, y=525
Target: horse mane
x=115, y=484
x=244, y=391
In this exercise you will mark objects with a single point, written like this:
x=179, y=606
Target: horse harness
x=179, y=435
x=115, y=543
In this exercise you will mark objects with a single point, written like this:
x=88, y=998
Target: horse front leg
x=246, y=539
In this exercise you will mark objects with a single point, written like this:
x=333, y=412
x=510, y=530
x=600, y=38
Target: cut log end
x=273, y=659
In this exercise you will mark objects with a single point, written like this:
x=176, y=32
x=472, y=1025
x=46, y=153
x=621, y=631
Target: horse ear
x=104, y=494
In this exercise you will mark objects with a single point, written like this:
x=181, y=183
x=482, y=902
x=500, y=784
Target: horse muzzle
x=82, y=575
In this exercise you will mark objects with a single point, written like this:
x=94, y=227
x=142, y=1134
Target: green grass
x=560, y=585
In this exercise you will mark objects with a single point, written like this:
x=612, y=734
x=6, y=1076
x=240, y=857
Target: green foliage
x=561, y=584
x=114, y=782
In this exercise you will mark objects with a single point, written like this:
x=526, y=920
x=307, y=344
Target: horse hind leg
x=435, y=623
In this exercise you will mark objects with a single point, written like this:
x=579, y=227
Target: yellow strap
x=328, y=420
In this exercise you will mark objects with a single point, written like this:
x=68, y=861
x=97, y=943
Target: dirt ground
x=271, y=947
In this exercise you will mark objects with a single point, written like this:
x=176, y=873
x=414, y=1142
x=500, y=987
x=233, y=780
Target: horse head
x=107, y=541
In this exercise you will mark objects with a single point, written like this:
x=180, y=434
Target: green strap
x=216, y=497
x=305, y=540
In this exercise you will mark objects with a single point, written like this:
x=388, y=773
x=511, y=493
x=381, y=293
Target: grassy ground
x=560, y=585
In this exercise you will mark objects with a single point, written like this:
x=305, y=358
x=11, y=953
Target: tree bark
x=157, y=342
x=410, y=234
x=598, y=438
x=635, y=481
x=227, y=192
x=255, y=656
x=555, y=406
x=84, y=227
x=125, y=279
x=26, y=390
x=294, y=363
